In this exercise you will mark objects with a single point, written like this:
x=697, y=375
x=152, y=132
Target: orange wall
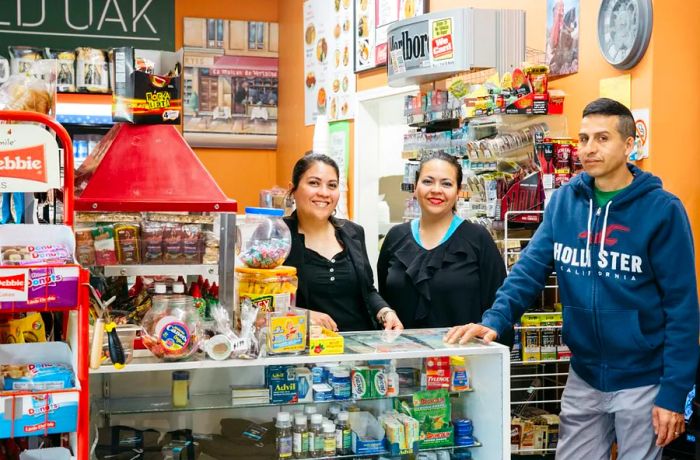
x=296, y=138
x=240, y=173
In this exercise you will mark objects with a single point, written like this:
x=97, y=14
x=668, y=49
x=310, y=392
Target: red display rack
x=78, y=322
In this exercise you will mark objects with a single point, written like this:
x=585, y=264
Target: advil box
x=36, y=413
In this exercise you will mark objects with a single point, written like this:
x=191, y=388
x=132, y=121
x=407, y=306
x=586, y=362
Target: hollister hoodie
x=627, y=283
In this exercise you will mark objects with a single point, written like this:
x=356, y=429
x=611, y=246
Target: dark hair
x=439, y=155
x=304, y=163
x=611, y=108
x=444, y=157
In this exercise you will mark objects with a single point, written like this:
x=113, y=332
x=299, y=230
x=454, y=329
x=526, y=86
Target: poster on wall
x=372, y=19
x=642, y=124
x=329, y=83
x=230, y=84
x=339, y=150
x=562, y=36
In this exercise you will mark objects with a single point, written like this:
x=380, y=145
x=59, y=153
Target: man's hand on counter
x=463, y=334
x=392, y=322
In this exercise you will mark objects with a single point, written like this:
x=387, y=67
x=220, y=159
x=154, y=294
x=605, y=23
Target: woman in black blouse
x=335, y=277
x=439, y=270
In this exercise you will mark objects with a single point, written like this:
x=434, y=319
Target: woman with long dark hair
x=335, y=277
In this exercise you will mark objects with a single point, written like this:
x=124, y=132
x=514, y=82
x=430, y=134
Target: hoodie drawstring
x=588, y=233
x=605, y=228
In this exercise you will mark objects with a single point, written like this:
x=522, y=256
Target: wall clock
x=624, y=31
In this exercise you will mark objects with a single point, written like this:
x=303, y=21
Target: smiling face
x=436, y=188
x=317, y=193
x=602, y=149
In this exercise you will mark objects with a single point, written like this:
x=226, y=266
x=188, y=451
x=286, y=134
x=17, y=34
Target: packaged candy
x=92, y=74
x=37, y=376
x=152, y=242
x=191, y=243
x=173, y=244
x=127, y=243
x=105, y=250
x=30, y=329
x=22, y=58
x=66, y=68
x=85, y=246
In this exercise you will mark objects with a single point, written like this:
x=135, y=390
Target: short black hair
x=612, y=108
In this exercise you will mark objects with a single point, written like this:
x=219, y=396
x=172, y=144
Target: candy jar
x=263, y=240
x=171, y=328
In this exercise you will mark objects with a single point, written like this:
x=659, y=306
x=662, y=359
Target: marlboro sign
x=29, y=159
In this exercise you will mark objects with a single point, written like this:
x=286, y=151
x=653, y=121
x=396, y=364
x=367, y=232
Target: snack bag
x=152, y=242
x=127, y=243
x=85, y=246
x=191, y=243
x=29, y=329
x=92, y=73
x=432, y=409
x=173, y=244
x=105, y=250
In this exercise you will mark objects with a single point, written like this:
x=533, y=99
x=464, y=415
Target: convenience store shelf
x=218, y=401
x=167, y=270
x=151, y=363
x=434, y=449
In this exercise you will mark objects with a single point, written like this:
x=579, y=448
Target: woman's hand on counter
x=392, y=322
x=323, y=320
x=463, y=334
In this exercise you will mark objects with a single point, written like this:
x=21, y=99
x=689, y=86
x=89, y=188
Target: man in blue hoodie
x=623, y=253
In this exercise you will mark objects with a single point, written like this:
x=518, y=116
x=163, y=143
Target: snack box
x=37, y=288
x=287, y=332
x=369, y=441
x=39, y=412
x=328, y=343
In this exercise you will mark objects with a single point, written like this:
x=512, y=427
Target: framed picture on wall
x=562, y=36
x=372, y=19
x=230, y=90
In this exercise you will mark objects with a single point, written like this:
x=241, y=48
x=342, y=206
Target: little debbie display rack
x=47, y=288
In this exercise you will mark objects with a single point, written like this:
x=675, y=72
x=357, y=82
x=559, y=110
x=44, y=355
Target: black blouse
x=335, y=290
x=368, y=302
x=449, y=285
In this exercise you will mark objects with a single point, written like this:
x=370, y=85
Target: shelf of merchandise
x=488, y=405
x=153, y=364
x=78, y=316
x=432, y=449
x=166, y=270
x=219, y=401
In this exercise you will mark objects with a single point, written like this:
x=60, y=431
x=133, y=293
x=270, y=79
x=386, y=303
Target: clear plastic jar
x=172, y=327
x=270, y=290
x=263, y=240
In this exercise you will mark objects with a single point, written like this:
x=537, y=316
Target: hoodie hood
x=642, y=183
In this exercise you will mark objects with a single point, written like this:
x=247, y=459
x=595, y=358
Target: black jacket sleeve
x=385, y=254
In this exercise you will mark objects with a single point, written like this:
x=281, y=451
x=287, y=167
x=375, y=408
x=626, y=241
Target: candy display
x=171, y=328
x=267, y=290
x=265, y=240
x=266, y=254
x=135, y=239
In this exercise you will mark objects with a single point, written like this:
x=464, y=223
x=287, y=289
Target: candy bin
x=263, y=240
x=268, y=290
x=171, y=328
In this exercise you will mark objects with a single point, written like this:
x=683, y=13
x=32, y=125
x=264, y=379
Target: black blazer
x=353, y=239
